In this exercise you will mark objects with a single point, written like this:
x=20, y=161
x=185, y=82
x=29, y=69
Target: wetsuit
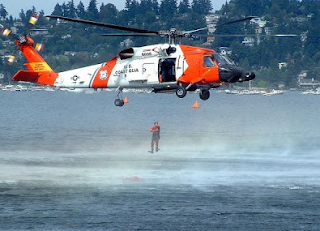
x=155, y=137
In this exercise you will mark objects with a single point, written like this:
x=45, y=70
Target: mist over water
x=233, y=145
x=86, y=131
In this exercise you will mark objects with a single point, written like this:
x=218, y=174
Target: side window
x=208, y=62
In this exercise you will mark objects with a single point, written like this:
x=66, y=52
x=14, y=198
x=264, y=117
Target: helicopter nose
x=250, y=76
x=247, y=76
x=231, y=74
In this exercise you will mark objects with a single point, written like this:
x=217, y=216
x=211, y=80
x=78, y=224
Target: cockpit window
x=208, y=61
x=222, y=59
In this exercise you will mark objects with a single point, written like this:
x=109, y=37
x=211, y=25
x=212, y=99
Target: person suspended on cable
x=155, y=130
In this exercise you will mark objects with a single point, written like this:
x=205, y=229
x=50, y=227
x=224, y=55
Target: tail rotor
x=22, y=39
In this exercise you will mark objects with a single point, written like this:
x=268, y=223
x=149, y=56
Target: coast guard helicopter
x=161, y=67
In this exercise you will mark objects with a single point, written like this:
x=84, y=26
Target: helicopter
x=167, y=67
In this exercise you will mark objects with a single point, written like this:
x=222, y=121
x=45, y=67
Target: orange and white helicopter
x=161, y=67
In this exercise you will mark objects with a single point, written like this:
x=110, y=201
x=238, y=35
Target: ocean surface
x=74, y=161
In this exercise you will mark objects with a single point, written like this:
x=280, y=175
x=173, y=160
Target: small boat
x=311, y=92
x=273, y=92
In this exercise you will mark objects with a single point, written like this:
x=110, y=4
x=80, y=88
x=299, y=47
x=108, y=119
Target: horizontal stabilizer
x=26, y=76
x=45, y=78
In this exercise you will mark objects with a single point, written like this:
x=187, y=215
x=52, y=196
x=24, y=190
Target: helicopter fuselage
x=161, y=67
x=155, y=66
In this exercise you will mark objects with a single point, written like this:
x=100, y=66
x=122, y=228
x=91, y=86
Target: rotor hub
x=22, y=39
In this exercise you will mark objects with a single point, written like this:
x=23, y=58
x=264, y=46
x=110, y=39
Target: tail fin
x=38, y=70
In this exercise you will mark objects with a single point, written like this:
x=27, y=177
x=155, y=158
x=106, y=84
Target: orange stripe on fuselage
x=102, y=76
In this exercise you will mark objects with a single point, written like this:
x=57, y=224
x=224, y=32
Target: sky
x=14, y=6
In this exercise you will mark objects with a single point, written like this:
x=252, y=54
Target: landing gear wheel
x=204, y=94
x=119, y=102
x=181, y=92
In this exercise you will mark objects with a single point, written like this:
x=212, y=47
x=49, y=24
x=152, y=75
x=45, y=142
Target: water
x=76, y=162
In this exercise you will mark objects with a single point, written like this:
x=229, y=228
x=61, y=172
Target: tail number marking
x=40, y=67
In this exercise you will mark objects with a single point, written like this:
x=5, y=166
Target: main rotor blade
x=281, y=35
x=238, y=20
x=242, y=35
x=130, y=34
x=103, y=24
x=192, y=31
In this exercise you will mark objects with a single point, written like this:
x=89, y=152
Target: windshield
x=221, y=60
x=208, y=61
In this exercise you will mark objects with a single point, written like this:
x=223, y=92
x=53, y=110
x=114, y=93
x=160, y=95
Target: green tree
x=92, y=12
x=22, y=16
x=64, y=9
x=57, y=10
x=71, y=10
x=108, y=13
x=201, y=6
x=3, y=12
x=131, y=9
x=155, y=6
x=81, y=12
x=168, y=9
x=251, y=7
x=42, y=20
x=184, y=7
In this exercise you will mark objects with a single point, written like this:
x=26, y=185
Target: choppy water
x=76, y=162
